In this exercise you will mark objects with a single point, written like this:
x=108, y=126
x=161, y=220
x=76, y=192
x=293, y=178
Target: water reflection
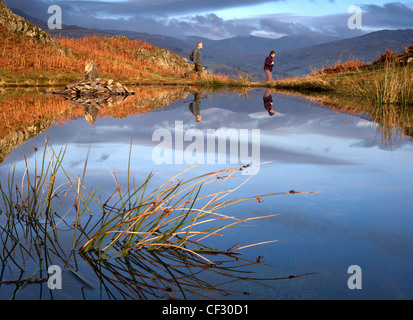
x=38, y=230
x=31, y=113
x=91, y=106
x=362, y=214
x=268, y=102
x=30, y=248
x=195, y=106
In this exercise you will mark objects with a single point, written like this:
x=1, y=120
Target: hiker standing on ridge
x=197, y=59
x=269, y=65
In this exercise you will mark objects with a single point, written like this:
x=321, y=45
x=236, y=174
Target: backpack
x=191, y=55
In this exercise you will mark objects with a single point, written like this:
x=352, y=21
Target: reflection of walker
x=195, y=106
x=268, y=103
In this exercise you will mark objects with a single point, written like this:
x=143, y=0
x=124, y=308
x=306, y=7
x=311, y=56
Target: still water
x=359, y=214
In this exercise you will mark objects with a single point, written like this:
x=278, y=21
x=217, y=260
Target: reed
x=241, y=80
x=175, y=215
x=388, y=84
x=159, y=234
x=166, y=218
x=176, y=275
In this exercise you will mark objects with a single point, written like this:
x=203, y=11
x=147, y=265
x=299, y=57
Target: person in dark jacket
x=198, y=59
x=195, y=106
x=269, y=65
x=268, y=103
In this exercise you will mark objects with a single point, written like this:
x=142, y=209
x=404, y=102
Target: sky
x=219, y=19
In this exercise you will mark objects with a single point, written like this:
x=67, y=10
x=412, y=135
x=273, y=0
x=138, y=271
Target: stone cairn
x=93, y=93
x=93, y=86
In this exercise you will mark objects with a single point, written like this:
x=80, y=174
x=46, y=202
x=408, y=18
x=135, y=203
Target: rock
x=71, y=85
x=142, y=52
x=91, y=86
x=91, y=72
x=96, y=82
x=16, y=24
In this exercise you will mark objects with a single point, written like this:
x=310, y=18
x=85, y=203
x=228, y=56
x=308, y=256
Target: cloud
x=136, y=7
x=181, y=18
x=390, y=15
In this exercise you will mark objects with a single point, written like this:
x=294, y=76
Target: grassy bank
x=388, y=80
x=388, y=83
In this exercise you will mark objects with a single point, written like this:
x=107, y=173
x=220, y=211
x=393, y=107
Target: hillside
x=302, y=61
x=243, y=54
x=262, y=46
x=30, y=56
x=387, y=81
x=368, y=47
x=18, y=26
x=297, y=55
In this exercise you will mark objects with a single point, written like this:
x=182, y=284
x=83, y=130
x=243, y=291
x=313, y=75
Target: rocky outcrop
x=165, y=58
x=18, y=25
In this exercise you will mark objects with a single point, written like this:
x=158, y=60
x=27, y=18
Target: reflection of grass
x=24, y=115
x=131, y=231
x=164, y=218
x=173, y=274
x=393, y=121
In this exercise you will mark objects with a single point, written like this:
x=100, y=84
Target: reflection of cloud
x=103, y=157
x=291, y=156
x=264, y=115
x=366, y=123
x=302, y=133
x=331, y=227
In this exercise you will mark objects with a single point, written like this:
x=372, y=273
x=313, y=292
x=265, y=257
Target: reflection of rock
x=93, y=105
x=19, y=137
x=91, y=113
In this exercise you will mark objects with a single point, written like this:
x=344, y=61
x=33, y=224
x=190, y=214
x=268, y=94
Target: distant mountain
x=72, y=31
x=301, y=61
x=368, y=47
x=258, y=45
x=297, y=55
